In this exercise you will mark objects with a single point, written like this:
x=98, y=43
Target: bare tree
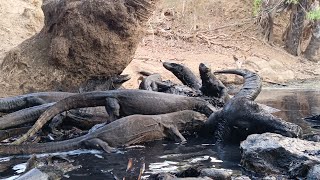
x=313, y=49
x=295, y=28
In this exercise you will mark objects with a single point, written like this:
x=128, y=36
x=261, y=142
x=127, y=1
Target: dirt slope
x=214, y=32
x=20, y=19
x=206, y=31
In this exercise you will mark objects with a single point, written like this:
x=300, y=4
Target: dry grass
x=188, y=15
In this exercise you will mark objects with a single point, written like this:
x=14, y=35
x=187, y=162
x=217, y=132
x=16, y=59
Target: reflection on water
x=162, y=156
x=294, y=104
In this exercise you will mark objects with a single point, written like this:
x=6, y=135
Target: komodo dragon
x=23, y=116
x=184, y=74
x=121, y=103
x=211, y=85
x=242, y=116
x=252, y=85
x=126, y=131
x=153, y=82
x=31, y=114
x=5, y=134
x=149, y=82
x=15, y=103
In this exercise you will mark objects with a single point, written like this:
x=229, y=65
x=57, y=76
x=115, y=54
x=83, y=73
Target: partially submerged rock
x=217, y=174
x=314, y=172
x=81, y=38
x=168, y=176
x=48, y=167
x=270, y=153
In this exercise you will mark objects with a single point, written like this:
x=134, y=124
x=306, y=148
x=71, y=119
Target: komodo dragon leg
x=154, y=86
x=55, y=122
x=96, y=143
x=113, y=108
x=176, y=135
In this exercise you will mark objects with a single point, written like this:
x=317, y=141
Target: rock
x=286, y=75
x=43, y=168
x=80, y=39
x=216, y=173
x=241, y=178
x=270, y=153
x=34, y=174
x=275, y=178
x=168, y=176
x=256, y=63
x=270, y=70
x=314, y=173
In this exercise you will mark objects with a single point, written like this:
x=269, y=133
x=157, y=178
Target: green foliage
x=314, y=14
x=293, y=1
x=256, y=6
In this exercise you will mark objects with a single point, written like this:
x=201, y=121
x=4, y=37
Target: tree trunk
x=294, y=32
x=313, y=49
x=80, y=39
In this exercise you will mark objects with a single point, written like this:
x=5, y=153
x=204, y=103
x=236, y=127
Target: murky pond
x=294, y=103
x=166, y=156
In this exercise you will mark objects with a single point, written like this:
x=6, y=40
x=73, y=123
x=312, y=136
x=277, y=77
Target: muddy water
x=294, y=103
x=166, y=156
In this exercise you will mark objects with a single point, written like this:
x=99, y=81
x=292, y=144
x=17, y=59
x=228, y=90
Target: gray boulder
x=314, y=173
x=217, y=174
x=270, y=153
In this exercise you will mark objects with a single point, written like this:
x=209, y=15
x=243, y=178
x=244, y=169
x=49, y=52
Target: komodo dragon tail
x=31, y=148
x=72, y=102
x=252, y=83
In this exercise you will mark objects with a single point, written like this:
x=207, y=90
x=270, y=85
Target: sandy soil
x=215, y=39
x=20, y=19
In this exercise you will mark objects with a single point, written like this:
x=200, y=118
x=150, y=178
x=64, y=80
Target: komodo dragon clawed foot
x=175, y=134
x=97, y=143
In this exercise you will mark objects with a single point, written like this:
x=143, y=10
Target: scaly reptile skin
x=212, y=86
x=15, y=103
x=243, y=116
x=252, y=83
x=126, y=131
x=184, y=74
x=128, y=102
x=23, y=116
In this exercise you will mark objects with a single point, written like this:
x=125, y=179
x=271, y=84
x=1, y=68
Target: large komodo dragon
x=126, y=131
x=28, y=107
x=121, y=103
x=244, y=116
x=15, y=103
